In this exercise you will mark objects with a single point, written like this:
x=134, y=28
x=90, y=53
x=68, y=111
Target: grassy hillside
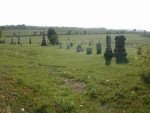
x=37, y=79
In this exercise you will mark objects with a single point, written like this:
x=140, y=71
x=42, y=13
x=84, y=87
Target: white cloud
x=80, y=13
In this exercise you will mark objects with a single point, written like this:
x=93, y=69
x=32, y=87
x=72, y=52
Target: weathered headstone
x=30, y=40
x=12, y=41
x=108, y=52
x=79, y=48
x=89, y=51
x=98, y=48
x=43, y=40
x=120, y=51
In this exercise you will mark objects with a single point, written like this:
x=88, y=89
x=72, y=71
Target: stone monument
x=43, y=40
x=108, y=51
x=98, y=48
x=89, y=51
x=120, y=51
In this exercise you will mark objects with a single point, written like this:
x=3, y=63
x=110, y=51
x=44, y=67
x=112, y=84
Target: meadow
x=47, y=79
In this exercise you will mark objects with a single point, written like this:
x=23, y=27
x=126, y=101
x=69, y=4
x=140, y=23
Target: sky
x=111, y=14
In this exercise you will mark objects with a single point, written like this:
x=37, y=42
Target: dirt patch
x=75, y=85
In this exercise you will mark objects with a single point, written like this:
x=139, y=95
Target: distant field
x=37, y=79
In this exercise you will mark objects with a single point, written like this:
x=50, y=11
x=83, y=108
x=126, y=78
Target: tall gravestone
x=43, y=40
x=108, y=52
x=120, y=51
x=98, y=48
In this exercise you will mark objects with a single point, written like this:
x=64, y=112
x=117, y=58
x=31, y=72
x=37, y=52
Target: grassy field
x=35, y=79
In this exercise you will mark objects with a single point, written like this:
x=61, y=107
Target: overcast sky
x=122, y=14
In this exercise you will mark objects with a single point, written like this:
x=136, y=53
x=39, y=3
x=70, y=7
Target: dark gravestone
x=43, y=40
x=79, y=48
x=12, y=41
x=98, y=48
x=89, y=51
x=18, y=40
x=120, y=51
x=30, y=40
x=108, y=52
x=71, y=44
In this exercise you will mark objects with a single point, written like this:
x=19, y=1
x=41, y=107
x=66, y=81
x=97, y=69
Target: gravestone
x=79, y=48
x=108, y=51
x=71, y=44
x=12, y=41
x=98, y=48
x=18, y=40
x=30, y=40
x=89, y=51
x=43, y=40
x=120, y=51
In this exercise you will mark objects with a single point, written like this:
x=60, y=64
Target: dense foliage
x=52, y=36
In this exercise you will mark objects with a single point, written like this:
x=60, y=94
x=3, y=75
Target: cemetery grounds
x=35, y=79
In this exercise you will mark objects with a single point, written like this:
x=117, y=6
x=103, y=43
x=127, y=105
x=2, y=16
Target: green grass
x=51, y=80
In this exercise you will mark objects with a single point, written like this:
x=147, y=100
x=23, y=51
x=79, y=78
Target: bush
x=52, y=36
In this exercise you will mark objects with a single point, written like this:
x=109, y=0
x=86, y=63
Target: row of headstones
x=19, y=41
x=80, y=49
x=89, y=49
x=30, y=42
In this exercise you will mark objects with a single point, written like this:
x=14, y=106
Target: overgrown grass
x=33, y=78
